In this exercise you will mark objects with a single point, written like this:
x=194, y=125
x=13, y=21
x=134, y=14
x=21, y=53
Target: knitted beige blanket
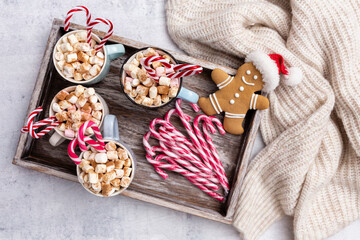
x=310, y=168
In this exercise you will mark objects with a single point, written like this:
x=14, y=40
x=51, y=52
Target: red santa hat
x=271, y=66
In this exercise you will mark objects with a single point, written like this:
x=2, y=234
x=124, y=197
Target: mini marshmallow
x=139, y=55
x=82, y=57
x=165, y=98
x=68, y=123
x=76, y=65
x=86, y=155
x=81, y=36
x=85, y=67
x=164, y=81
x=72, y=57
x=89, y=92
x=62, y=95
x=147, y=102
x=59, y=56
x=92, y=156
x=119, y=173
x=142, y=91
x=84, y=47
x=60, y=64
x=133, y=93
x=93, y=177
x=148, y=82
x=127, y=171
x=84, y=163
x=85, y=178
x=82, y=175
x=130, y=67
x=93, y=99
x=112, y=155
x=174, y=82
x=141, y=75
x=173, y=92
x=100, y=168
x=119, y=164
x=79, y=90
x=110, y=166
x=97, y=122
x=89, y=131
x=127, y=87
x=139, y=99
x=71, y=109
x=94, y=70
x=127, y=162
x=156, y=65
x=122, y=153
x=97, y=115
x=76, y=116
x=87, y=76
x=86, y=108
x=96, y=187
x=66, y=47
x=72, y=39
x=56, y=108
x=100, y=55
x=125, y=182
x=109, y=176
x=101, y=158
x=61, y=127
x=76, y=126
x=64, y=104
x=88, y=168
x=157, y=100
x=135, y=82
x=110, y=146
x=135, y=62
x=107, y=190
x=78, y=76
x=134, y=73
x=160, y=71
x=153, y=92
x=72, y=98
x=97, y=106
x=115, y=182
x=99, y=61
x=68, y=70
x=91, y=52
x=92, y=60
x=163, y=89
x=58, y=48
x=149, y=52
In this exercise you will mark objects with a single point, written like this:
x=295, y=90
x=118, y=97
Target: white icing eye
x=255, y=77
x=237, y=95
x=232, y=101
x=241, y=88
x=248, y=72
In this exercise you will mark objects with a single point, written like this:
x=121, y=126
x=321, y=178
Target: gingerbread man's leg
x=233, y=123
x=206, y=106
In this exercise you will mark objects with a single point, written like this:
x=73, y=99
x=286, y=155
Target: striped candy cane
x=98, y=145
x=31, y=126
x=88, y=19
x=108, y=34
x=185, y=70
x=147, y=65
x=71, y=149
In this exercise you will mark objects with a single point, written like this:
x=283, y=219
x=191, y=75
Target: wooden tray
x=175, y=192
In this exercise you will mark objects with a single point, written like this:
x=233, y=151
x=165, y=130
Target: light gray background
x=37, y=206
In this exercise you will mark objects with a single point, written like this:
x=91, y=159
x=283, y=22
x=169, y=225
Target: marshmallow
x=88, y=168
x=133, y=93
x=59, y=56
x=78, y=76
x=157, y=100
x=149, y=52
x=107, y=190
x=122, y=153
x=127, y=87
x=76, y=126
x=85, y=67
x=68, y=70
x=64, y=104
x=86, y=155
x=156, y=65
x=174, y=82
x=72, y=57
x=147, y=101
x=93, y=177
x=82, y=57
x=127, y=171
x=76, y=65
x=91, y=52
x=79, y=90
x=153, y=92
x=81, y=101
x=110, y=166
x=109, y=176
x=139, y=55
x=135, y=82
x=56, y=108
x=93, y=99
x=164, y=81
x=148, y=82
x=119, y=164
x=92, y=60
x=163, y=89
x=61, y=127
x=76, y=116
x=66, y=47
x=125, y=182
x=84, y=47
x=89, y=92
x=173, y=92
x=130, y=67
x=139, y=98
x=62, y=95
x=115, y=182
x=112, y=155
x=142, y=91
x=96, y=187
x=165, y=98
x=82, y=175
x=134, y=73
x=97, y=106
x=100, y=55
x=97, y=122
x=60, y=64
x=81, y=36
x=94, y=70
x=101, y=158
x=135, y=62
x=71, y=98
x=141, y=75
x=127, y=162
x=160, y=71
x=72, y=39
x=99, y=61
x=167, y=57
x=71, y=109
x=84, y=163
x=89, y=131
x=87, y=76
x=86, y=108
x=92, y=156
x=100, y=168
x=110, y=146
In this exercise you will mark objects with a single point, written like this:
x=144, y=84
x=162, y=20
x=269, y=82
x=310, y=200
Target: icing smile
x=247, y=83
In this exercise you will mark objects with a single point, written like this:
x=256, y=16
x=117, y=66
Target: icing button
x=241, y=88
x=237, y=95
x=248, y=72
x=255, y=77
x=232, y=101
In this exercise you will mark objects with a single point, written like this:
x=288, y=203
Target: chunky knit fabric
x=310, y=168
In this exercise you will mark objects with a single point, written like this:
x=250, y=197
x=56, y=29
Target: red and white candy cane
x=88, y=19
x=147, y=65
x=31, y=126
x=108, y=34
x=71, y=149
x=185, y=70
x=98, y=145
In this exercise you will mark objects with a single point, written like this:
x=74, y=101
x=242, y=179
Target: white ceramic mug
x=111, y=52
x=58, y=136
x=111, y=133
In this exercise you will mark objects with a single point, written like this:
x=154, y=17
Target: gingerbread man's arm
x=259, y=102
x=220, y=77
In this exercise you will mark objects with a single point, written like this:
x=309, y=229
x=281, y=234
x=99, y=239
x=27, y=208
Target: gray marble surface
x=37, y=206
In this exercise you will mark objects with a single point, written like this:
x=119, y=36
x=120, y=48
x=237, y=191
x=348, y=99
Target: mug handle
x=56, y=139
x=111, y=128
x=115, y=50
x=188, y=95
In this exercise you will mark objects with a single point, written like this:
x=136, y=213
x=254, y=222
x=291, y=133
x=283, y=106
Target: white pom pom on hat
x=271, y=66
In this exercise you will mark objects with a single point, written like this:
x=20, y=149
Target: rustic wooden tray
x=175, y=192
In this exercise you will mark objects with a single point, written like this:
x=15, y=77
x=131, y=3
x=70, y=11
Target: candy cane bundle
x=196, y=159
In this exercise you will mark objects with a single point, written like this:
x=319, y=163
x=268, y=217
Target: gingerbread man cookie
x=237, y=94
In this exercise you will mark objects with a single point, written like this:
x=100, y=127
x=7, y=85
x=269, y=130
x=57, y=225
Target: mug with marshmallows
x=73, y=106
x=78, y=62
